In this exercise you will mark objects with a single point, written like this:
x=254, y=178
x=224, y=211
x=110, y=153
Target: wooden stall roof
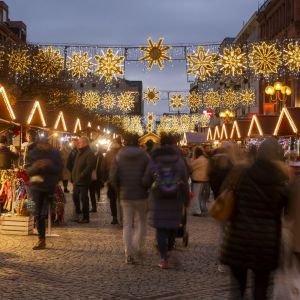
x=31, y=113
x=210, y=134
x=149, y=136
x=226, y=131
x=240, y=129
x=7, y=113
x=262, y=125
x=288, y=123
x=217, y=134
x=58, y=122
x=195, y=137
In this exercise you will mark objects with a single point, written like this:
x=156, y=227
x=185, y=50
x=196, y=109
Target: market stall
x=225, y=131
x=262, y=126
x=209, y=137
x=149, y=136
x=240, y=130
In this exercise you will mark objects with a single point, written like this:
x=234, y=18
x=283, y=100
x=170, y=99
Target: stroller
x=182, y=231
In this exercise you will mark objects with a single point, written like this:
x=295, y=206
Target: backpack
x=167, y=180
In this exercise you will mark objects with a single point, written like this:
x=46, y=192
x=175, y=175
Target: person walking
x=252, y=237
x=200, y=182
x=126, y=176
x=71, y=158
x=7, y=157
x=65, y=152
x=44, y=168
x=106, y=167
x=167, y=178
x=81, y=174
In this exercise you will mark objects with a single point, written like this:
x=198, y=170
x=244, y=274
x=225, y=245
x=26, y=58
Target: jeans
x=80, y=194
x=94, y=192
x=112, y=195
x=201, y=192
x=134, y=213
x=262, y=279
x=166, y=240
x=42, y=201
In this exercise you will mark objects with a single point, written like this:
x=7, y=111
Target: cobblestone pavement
x=87, y=262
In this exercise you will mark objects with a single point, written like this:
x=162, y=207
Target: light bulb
x=269, y=90
x=288, y=91
x=277, y=86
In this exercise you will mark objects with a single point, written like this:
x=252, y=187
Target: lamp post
x=278, y=93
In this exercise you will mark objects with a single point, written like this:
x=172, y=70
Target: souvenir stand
x=239, y=131
x=149, y=136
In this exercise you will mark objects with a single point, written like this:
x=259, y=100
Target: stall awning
x=240, y=129
x=288, y=123
x=225, y=131
x=149, y=136
x=262, y=125
x=209, y=134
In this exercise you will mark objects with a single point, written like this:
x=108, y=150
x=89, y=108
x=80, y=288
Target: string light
x=155, y=53
x=230, y=99
x=60, y=118
x=176, y=101
x=291, y=56
x=247, y=97
x=108, y=101
x=109, y=65
x=77, y=125
x=211, y=99
x=125, y=102
x=48, y=62
x=19, y=61
x=7, y=103
x=36, y=107
x=264, y=59
x=255, y=121
x=233, y=61
x=79, y=64
x=217, y=133
x=151, y=95
x=285, y=113
x=235, y=127
x=201, y=63
x=194, y=101
x=91, y=100
x=209, y=135
x=224, y=133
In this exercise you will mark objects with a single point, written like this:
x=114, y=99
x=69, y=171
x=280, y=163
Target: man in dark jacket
x=6, y=155
x=44, y=167
x=165, y=211
x=126, y=175
x=252, y=238
x=71, y=158
x=81, y=175
x=106, y=167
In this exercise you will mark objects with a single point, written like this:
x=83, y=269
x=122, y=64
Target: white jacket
x=199, y=169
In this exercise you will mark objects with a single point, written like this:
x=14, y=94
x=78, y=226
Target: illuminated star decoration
x=204, y=120
x=116, y=120
x=291, y=57
x=201, y=63
x=2, y=55
x=79, y=64
x=230, y=99
x=108, y=101
x=19, y=61
x=194, y=100
x=155, y=53
x=184, y=123
x=247, y=97
x=150, y=119
x=233, y=61
x=91, y=100
x=133, y=125
x=74, y=97
x=176, y=101
x=110, y=65
x=195, y=118
x=151, y=95
x=264, y=59
x=211, y=99
x=125, y=102
x=49, y=63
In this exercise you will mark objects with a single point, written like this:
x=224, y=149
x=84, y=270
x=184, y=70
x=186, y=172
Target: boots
x=40, y=245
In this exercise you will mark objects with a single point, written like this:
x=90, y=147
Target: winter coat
x=6, y=157
x=107, y=163
x=65, y=172
x=127, y=173
x=98, y=162
x=71, y=159
x=199, y=167
x=83, y=167
x=166, y=212
x=44, y=178
x=252, y=238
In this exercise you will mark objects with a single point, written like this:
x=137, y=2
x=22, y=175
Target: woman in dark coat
x=252, y=238
x=165, y=212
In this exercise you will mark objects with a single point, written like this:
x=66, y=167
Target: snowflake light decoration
x=79, y=64
x=155, y=53
x=176, y=102
x=125, y=102
x=194, y=100
x=91, y=100
x=19, y=61
x=150, y=119
x=291, y=57
x=265, y=59
x=201, y=63
x=2, y=56
x=204, y=120
x=233, y=61
x=48, y=62
x=108, y=101
x=133, y=125
x=109, y=65
x=116, y=119
x=211, y=99
x=184, y=123
x=151, y=95
x=247, y=97
x=230, y=99
x=195, y=119
x=74, y=97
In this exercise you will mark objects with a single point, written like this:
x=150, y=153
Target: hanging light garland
x=155, y=53
x=91, y=100
x=176, y=102
x=125, y=102
x=79, y=64
x=19, y=61
x=151, y=96
x=109, y=65
x=194, y=101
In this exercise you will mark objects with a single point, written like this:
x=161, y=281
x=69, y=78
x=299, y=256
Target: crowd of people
x=157, y=184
